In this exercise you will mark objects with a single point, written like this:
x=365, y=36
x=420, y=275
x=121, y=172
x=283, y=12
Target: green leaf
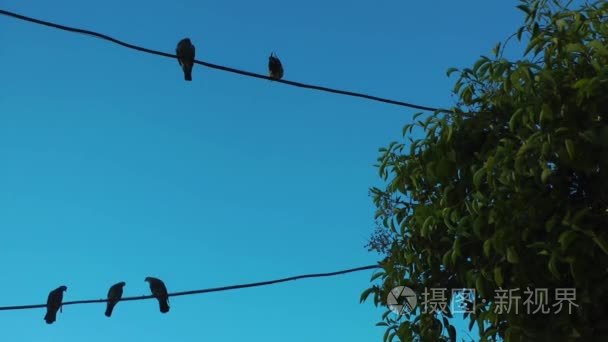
x=452, y=333
x=546, y=114
x=387, y=335
x=471, y=323
x=545, y=150
x=512, y=256
x=455, y=251
x=524, y=8
x=377, y=275
x=405, y=129
x=550, y=224
x=513, y=334
x=425, y=226
x=498, y=276
x=366, y=294
x=447, y=258
x=489, y=333
x=553, y=265
x=599, y=46
x=566, y=238
x=479, y=63
x=575, y=47
x=520, y=31
x=478, y=176
x=514, y=118
x=477, y=224
x=576, y=219
x=570, y=148
x=416, y=115
x=545, y=175
x=487, y=246
x=446, y=221
x=450, y=133
x=457, y=86
x=515, y=81
x=467, y=94
x=450, y=71
x=496, y=50
x=479, y=286
x=601, y=243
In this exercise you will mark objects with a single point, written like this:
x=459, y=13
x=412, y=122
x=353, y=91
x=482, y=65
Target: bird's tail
x=164, y=305
x=188, y=75
x=109, y=309
x=50, y=317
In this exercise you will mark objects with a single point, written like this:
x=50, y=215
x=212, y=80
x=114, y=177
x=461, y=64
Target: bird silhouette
x=185, y=56
x=53, y=303
x=159, y=290
x=275, y=68
x=114, y=296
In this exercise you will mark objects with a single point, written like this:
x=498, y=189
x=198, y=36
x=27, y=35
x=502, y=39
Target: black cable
x=218, y=67
x=192, y=292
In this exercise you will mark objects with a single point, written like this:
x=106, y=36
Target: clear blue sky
x=113, y=168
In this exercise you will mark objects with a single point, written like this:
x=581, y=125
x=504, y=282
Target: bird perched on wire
x=159, y=290
x=185, y=56
x=114, y=296
x=53, y=303
x=275, y=68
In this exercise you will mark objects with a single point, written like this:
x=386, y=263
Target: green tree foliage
x=509, y=190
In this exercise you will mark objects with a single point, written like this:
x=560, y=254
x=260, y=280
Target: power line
x=219, y=67
x=193, y=292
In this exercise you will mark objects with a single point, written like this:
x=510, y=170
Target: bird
x=160, y=292
x=114, y=296
x=53, y=303
x=275, y=68
x=185, y=56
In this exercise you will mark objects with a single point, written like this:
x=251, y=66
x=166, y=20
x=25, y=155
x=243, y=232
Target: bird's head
x=187, y=41
x=148, y=279
x=121, y=284
x=62, y=288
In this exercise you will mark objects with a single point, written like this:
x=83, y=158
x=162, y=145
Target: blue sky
x=113, y=168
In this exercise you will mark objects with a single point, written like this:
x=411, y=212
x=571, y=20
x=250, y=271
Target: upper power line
x=192, y=292
x=219, y=67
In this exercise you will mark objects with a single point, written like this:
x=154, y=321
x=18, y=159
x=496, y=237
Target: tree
x=509, y=190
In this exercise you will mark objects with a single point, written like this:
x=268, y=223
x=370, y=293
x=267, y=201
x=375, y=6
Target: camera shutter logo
x=402, y=300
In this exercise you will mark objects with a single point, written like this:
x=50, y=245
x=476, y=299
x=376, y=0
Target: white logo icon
x=401, y=300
